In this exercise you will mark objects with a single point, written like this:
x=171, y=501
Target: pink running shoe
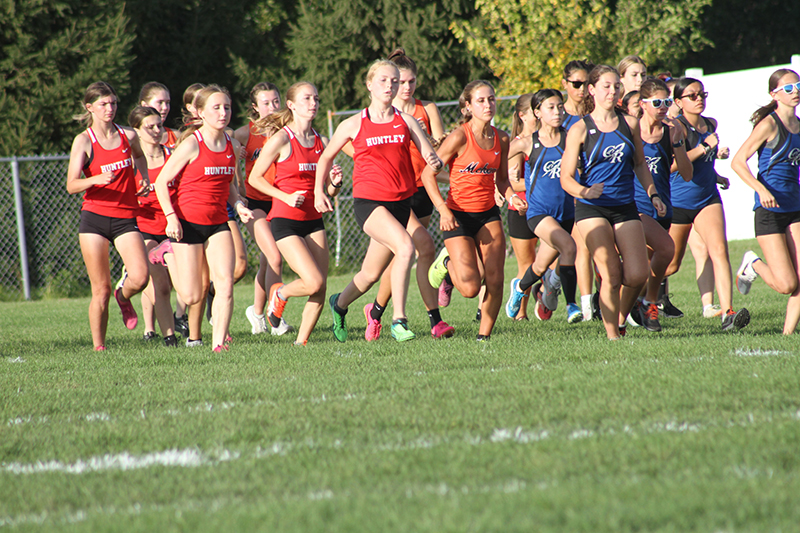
x=128, y=312
x=445, y=291
x=221, y=348
x=373, y=331
x=442, y=330
x=541, y=310
x=101, y=348
x=156, y=255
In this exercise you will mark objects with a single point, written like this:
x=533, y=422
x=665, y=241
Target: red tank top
x=472, y=175
x=252, y=150
x=204, y=185
x=118, y=198
x=172, y=140
x=151, y=217
x=383, y=170
x=298, y=173
x=417, y=160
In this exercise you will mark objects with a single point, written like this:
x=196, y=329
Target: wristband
x=654, y=195
x=168, y=214
x=238, y=202
x=336, y=186
x=678, y=144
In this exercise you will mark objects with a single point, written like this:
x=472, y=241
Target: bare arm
x=435, y=118
x=345, y=133
x=420, y=139
x=516, y=162
x=680, y=162
x=501, y=177
x=139, y=162
x=185, y=153
x=448, y=150
x=79, y=154
x=763, y=132
x=569, y=165
x=640, y=167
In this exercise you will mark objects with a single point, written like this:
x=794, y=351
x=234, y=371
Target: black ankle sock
x=400, y=321
x=528, y=280
x=435, y=317
x=339, y=310
x=448, y=279
x=662, y=289
x=377, y=311
x=569, y=282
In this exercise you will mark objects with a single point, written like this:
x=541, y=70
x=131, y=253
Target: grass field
x=547, y=427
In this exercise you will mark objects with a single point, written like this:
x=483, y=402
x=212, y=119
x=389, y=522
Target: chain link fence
x=39, y=250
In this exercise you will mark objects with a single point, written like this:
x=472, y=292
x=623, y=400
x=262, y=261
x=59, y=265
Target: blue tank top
x=698, y=192
x=569, y=120
x=778, y=168
x=659, y=160
x=608, y=160
x=543, y=184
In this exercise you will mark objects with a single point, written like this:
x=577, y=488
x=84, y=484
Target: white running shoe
x=282, y=328
x=194, y=343
x=258, y=324
x=122, y=278
x=746, y=274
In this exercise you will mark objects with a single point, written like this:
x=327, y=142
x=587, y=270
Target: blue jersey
x=778, y=166
x=659, y=160
x=543, y=183
x=569, y=120
x=702, y=188
x=609, y=160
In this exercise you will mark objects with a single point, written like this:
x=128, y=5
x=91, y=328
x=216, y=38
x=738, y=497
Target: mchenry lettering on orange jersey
x=472, y=168
x=385, y=139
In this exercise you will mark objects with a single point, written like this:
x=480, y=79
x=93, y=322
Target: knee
x=786, y=286
x=470, y=289
x=315, y=284
x=426, y=250
x=239, y=269
x=137, y=281
x=568, y=253
x=101, y=292
x=405, y=252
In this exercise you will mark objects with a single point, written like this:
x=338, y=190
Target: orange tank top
x=252, y=150
x=472, y=175
x=417, y=161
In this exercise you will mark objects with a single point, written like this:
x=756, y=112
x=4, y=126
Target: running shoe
x=712, y=311
x=735, y=320
x=221, y=348
x=182, y=325
x=623, y=330
x=276, y=306
x=171, y=341
x=635, y=316
x=193, y=343
x=126, y=307
x=400, y=331
x=478, y=315
x=156, y=255
x=283, y=328
x=339, y=326
x=549, y=291
x=649, y=317
x=373, y=331
x=586, y=309
x=574, y=314
x=746, y=274
x=514, y=299
x=668, y=310
x=540, y=310
x=483, y=338
x=150, y=336
x=445, y=292
x=301, y=343
x=597, y=314
x=442, y=330
x=258, y=324
x=101, y=348
x=438, y=270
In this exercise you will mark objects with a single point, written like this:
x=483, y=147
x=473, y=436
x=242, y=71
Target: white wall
x=733, y=96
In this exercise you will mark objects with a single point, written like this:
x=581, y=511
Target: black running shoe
x=182, y=325
x=649, y=317
x=668, y=310
x=735, y=320
x=150, y=336
x=596, y=314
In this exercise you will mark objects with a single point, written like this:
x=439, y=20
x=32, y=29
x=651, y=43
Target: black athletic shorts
x=199, y=233
x=469, y=224
x=287, y=227
x=518, y=225
x=151, y=237
x=421, y=204
x=363, y=208
x=769, y=222
x=108, y=227
x=566, y=225
x=264, y=205
x=687, y=216
x=613, y=213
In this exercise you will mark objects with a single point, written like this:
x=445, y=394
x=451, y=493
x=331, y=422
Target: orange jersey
x=252, y=150
x=472, y=175
x=172, y=138
x=417, y=160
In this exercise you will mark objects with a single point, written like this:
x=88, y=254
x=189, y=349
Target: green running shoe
x=438, y=270
x=400, y=331
x=339, y=327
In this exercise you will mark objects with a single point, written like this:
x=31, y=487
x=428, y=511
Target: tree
x=50, y=51
x=333, y=42
x=527, y=42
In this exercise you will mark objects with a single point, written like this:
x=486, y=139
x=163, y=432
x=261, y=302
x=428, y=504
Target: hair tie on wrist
x=654, y=195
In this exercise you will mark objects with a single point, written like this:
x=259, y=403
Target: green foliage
x=527, y=43
x=333, y=42
x=50, y=51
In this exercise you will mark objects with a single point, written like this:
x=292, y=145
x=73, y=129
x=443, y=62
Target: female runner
x=551, y=212
x=427, y=114
x=632, y=73
x=776, y=137
x=523, y=240
x=475, y=245
x=605, y=211
x=205, y=160
x=294, y=148
x=696, y=203
x=264, y=101
x=105, y=154
x=156, y=95
x=663, y=145
x=146, y=121
x=383, y=184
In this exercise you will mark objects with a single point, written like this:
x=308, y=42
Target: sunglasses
x=788, y=88
x=659, y=102
x=576, y=84
x=694, y=96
